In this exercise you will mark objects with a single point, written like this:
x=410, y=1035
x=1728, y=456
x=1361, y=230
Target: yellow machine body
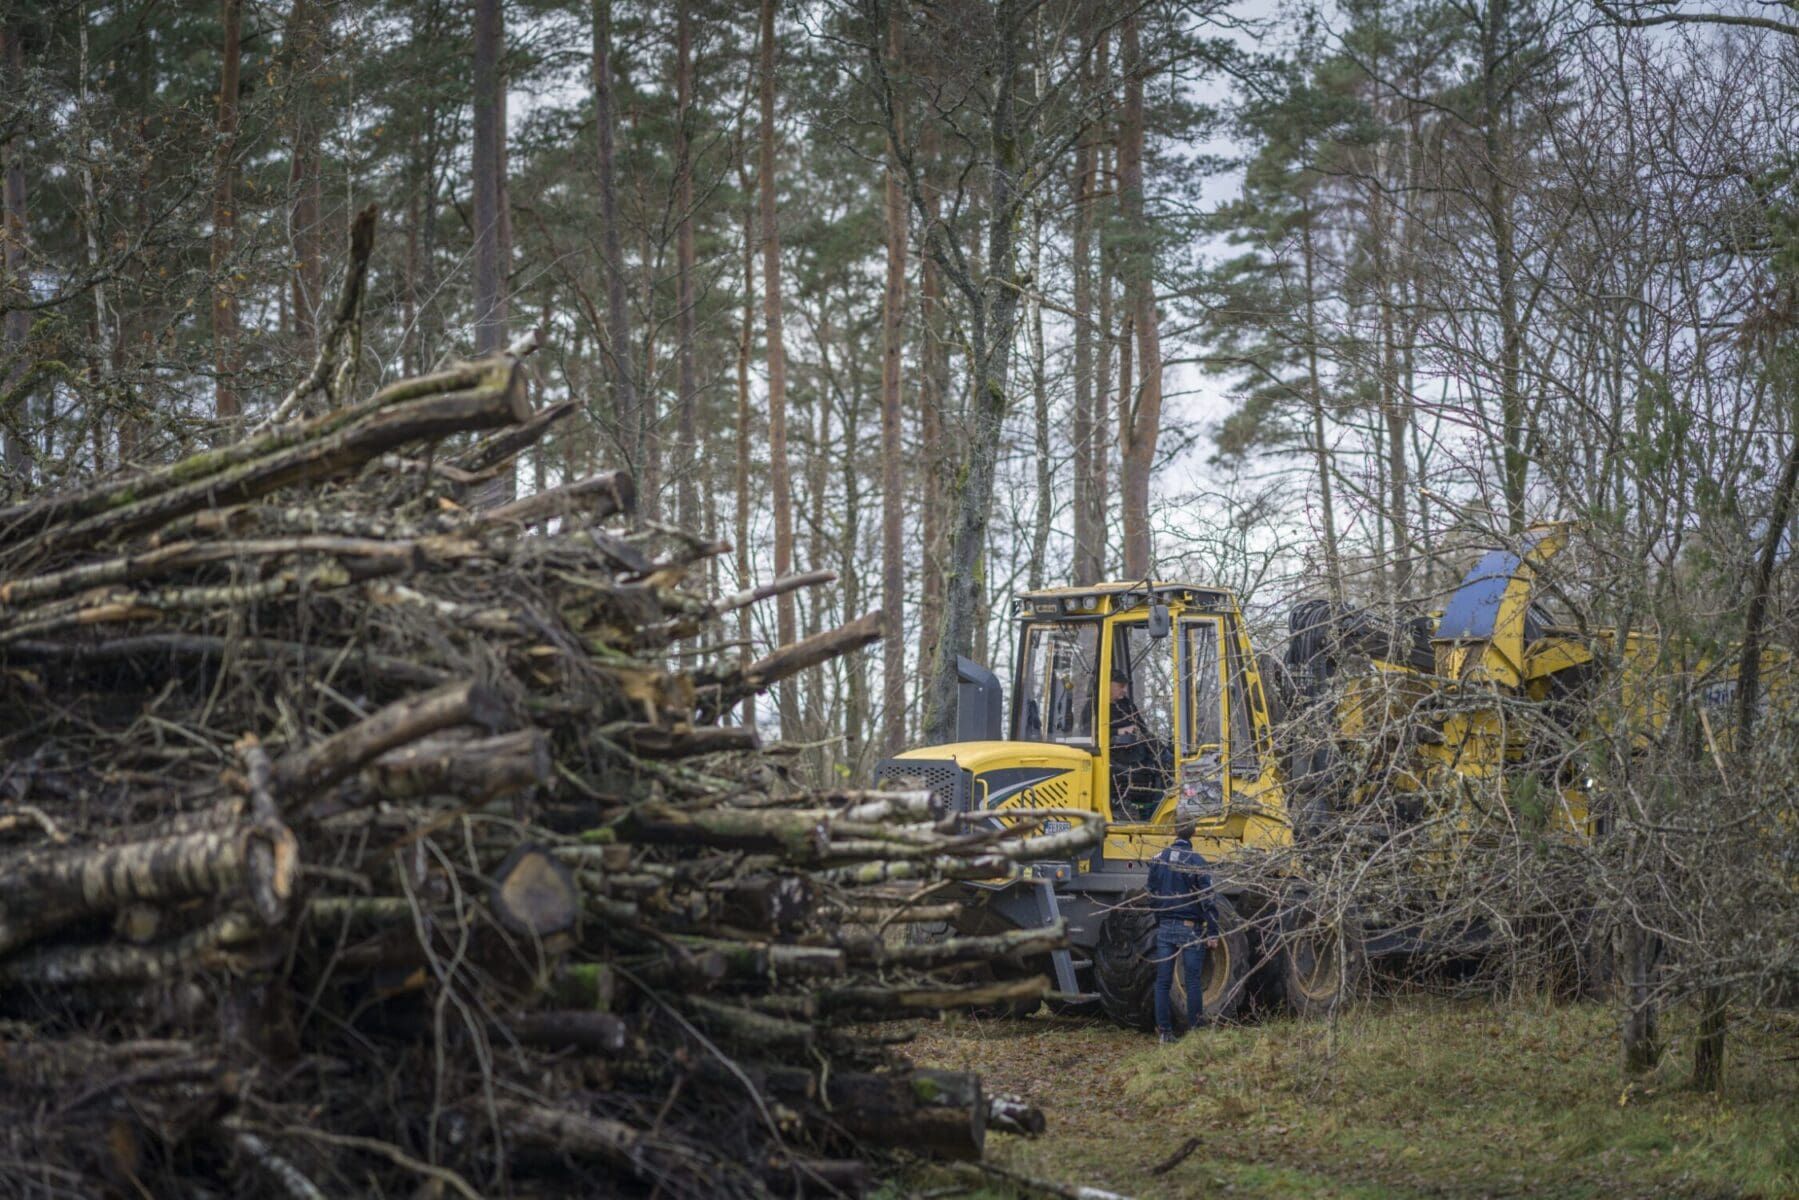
x=1198, y=687
x=1467, y=724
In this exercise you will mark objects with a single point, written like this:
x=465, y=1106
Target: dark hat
x=1120, y=675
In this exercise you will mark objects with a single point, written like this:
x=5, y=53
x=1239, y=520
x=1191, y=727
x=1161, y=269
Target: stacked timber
x=357, y=842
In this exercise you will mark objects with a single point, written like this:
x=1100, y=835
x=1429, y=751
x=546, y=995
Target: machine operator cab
x=1127, y=699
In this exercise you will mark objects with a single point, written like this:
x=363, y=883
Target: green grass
x=1406, y=1097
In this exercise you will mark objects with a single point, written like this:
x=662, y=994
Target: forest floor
x=1407, y=1096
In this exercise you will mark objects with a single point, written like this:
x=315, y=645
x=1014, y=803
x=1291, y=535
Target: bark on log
x=27, y=519
x=344, y=321
x=941, y=1114
x=1013, y=943
x=316, y=767
x=720, y=694
x=594, y=498
x=356, y=914
x=561, y=1029
x=559, y=1131
x=657, y=742
x=475, y=770
x=75, y=966
x=498, y=399
x=185, y=555
x=876, y=1002
x=42, y=891
x=898, y=912
x=836, y=1177
x=296, y=656
x=496, y=448
x=768, y=961
x=746, y=1027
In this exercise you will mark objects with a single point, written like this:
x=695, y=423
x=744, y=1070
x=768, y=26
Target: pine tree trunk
x=1106, y=153
x=13, y=231
x=1395, y=411
x=101, y=364
x=893, y=573
x=933, y=396
x=787, y=694
x=1045, y=511
x=490, y=282
x=746, y=336
x=493, y=229
x=1143, y=413
x=992, y=326
x=649, y=414
x=410, y=344
x=686, y=469
x=1333, y=566
x=1505, y=260
x=1126, y=393
x=814, y=721
x=428, y=336
x=625, y=415
x=853, y=726
x=1089, y=550
x=226, y=406
x=305, y=191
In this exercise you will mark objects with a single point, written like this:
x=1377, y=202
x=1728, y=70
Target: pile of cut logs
x=356, y=840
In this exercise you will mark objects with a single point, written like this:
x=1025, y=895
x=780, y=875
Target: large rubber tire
x=1124, y=968
x=1321, y=965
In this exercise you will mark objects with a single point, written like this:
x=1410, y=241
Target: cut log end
x=535, y=895
x=518, y=394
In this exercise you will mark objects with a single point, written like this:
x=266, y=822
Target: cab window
x=1149, y=669
x=1201, y=682
x=1140, y=715
x=1058, y=687
x=1246, y=753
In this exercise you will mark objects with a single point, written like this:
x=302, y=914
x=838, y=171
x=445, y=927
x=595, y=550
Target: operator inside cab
x=1140, y=775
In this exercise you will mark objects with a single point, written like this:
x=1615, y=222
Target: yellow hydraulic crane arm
x=1482, y=633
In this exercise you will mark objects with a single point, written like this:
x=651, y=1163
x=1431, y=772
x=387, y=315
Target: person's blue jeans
x=1176, y=942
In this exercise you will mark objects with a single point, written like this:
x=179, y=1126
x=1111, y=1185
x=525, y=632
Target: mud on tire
x=1320, y=964
x=1124, y=967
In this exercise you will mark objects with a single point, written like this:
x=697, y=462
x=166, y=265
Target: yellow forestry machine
x=1132, y=699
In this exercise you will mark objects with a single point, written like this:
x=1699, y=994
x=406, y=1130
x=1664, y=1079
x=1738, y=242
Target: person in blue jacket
x=1180, y=895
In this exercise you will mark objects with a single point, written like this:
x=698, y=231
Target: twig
x=1177, y=1158
x=392, y=1153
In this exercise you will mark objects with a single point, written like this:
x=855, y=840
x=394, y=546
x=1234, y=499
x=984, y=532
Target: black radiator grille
x=948, y=784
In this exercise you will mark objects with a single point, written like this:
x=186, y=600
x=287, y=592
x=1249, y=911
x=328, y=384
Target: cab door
x=1140, y=770
x=1253, y=774
x=1203, y=746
